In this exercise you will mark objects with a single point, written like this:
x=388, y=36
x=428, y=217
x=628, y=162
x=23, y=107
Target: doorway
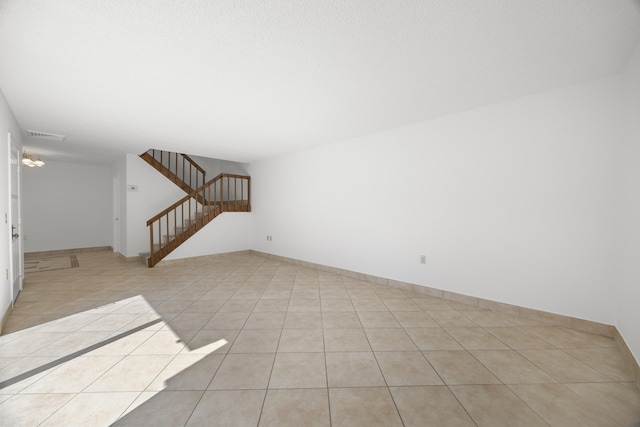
x=15, y=249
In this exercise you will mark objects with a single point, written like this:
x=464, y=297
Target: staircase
x=179, y=168
x=202, y=203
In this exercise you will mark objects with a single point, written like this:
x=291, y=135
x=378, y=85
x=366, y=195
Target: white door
x=15, y=250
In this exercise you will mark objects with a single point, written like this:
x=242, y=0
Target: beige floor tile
x=429, y=406
x=74, y=375
x=301, y=341
x=247, y=294
x=307, y=305
x=277, y=294
x=331, y=304
x=559, y=406
x=218, y=294
x=150, y=321
x=563, y=367
x=518, y=338
x=126, y=309
x=495, y=406
x=369, y=304
x=346, y=340
x=353, y=369
x=238, y=306
x=431, y=304
x=72, y=343
x=227, y=321
x=295, y=408
x=166, y=408
x=171, y=306
x=76, y=322
x=366, y=407
x=303, y=321
x=160, y=295
x=400, y=304
x=265, y=320
x=243, y=371
x=205, y=306
x=299, y=370
x=133, y=373
x=31, y=409
x=486, y=318
x=511, y=368
x=26, y=371
x=189, y=321
x=190, y=294
x=302, y=293
x=462, y=307
x=26, y=322
x=187, y=372
x=476, y=339
x=29, y=343
x=231, y=408
x=459, y=367
x=451, y=319
x=86, y=408
x=567, y=338
x=414, y=319
x=204, y=340
x=607, y=361
x=621, y=401
x=406, y=368
x=6, y=361
x=256, y=341
x=340, y=320
x=389, y=292
x=271, y=306
x=164, y=342
x=389, y=339
x=111, y=322
x=362, y=294
x=433, y=339
x=122, y=346
x=338, y=293
x=378, y=319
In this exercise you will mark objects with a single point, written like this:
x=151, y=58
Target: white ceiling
x=243, y=80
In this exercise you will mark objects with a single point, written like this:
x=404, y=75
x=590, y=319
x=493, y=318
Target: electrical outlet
x=423, y=259
x=269, y=238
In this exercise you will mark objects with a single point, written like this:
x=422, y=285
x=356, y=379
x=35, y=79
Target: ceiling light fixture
x=27, y=160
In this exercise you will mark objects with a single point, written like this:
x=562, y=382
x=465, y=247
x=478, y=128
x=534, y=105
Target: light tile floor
x=242, y=340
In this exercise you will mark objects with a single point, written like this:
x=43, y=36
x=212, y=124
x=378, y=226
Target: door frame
x=16, y=264
x=116, y=212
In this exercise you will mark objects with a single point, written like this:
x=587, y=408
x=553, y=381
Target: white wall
x=513, y=202
x=214, y=167
x=66, y=206
x=154, y=194
x=229, y=232
x=628, y=301
x=7, y=124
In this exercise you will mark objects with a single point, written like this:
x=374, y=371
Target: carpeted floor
x=50, y=263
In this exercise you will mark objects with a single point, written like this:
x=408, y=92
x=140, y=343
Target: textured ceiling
x=243, y=80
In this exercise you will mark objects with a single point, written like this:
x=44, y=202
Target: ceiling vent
x=46, y=135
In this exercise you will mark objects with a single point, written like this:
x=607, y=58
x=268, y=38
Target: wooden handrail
x=206, y=202
x=183, y=173
x=193, y=162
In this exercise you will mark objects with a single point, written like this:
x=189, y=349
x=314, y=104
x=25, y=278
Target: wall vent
x=45, y=135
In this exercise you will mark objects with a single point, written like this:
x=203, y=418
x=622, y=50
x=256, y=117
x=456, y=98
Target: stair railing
x=174, y=225
x=178, y=167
